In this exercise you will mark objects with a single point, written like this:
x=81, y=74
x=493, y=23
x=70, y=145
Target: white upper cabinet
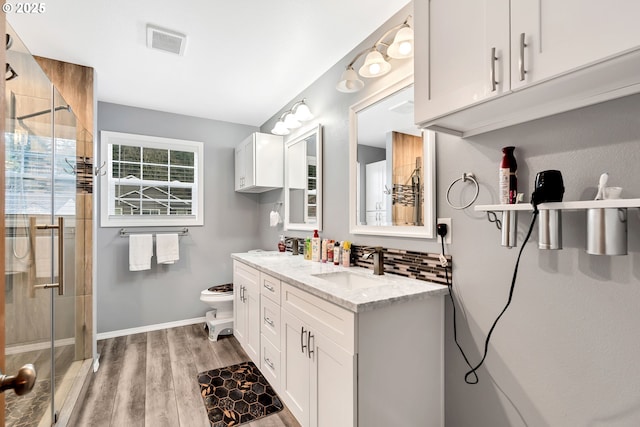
x=482, y=65
x=561, y=36
x=259, y=162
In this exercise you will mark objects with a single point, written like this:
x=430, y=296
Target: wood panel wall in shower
x=408, y=151
x=75, y=83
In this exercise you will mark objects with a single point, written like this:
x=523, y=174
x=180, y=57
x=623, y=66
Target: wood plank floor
x=149, y=379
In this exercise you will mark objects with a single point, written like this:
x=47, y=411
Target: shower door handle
x=32, y=235
x=20, y=384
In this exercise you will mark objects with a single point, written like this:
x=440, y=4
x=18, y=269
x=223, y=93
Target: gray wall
x=566, y=352
x=171, y=292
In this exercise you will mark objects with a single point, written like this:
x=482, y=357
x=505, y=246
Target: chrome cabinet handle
x=269, y=321
x=492, y=71
x=521, y=60
x=269, y=287
x=32, y=240
x=22, y=383
x=268, y=362
x=309, y=346
x=302, y=345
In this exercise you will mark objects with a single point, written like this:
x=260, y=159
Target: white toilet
x=219, y=320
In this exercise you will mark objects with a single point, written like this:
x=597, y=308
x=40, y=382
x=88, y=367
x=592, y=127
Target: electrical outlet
x=447, y=238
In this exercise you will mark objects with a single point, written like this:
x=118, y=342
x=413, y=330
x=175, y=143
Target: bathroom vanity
x=341, y=346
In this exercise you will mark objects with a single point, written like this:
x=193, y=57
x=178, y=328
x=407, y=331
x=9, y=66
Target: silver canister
x=607, y=231
x=509, y=228
x=550, y=229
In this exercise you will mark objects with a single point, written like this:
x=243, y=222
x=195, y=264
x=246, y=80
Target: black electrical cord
x=473, y=370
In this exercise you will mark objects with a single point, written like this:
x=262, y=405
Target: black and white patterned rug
x=237, y=394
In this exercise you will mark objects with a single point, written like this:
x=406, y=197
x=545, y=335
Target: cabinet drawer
x=270, y=320
x=270, y=286
x=270, y=363
x=332, y=321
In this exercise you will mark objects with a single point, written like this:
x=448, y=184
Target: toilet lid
x=222, y=289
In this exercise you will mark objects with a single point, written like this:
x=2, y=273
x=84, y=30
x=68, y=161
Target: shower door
x=41, y=170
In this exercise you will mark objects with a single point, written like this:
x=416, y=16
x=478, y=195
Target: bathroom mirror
x=392, y=166
x=303, y=180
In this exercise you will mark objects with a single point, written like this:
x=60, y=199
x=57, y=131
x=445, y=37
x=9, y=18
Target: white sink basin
x=350, y=280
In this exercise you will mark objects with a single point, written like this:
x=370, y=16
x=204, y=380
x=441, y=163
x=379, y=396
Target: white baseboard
x=149, y=328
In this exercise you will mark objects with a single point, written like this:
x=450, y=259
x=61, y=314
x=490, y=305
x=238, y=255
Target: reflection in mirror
x=393, y=167
x=303, y=181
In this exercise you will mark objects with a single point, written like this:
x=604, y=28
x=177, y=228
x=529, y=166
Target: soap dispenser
x=281, y=244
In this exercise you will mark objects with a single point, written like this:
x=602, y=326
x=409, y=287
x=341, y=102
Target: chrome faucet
x=378, y=259
x=294, y=245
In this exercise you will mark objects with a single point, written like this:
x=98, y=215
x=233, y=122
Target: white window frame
x=107, y=139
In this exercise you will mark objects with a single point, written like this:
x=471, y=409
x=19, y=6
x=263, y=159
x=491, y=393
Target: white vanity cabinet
x=259, y=163
x=246, y=308
x=318, y=367
x=483, y=65
x=336, y=363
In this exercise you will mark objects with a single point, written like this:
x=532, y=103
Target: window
x=151, y=181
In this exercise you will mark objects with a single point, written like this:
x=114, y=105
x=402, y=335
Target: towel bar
x=125, y=233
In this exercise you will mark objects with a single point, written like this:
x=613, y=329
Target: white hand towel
x=167, y=248
x=274, y=218
x=140, y=252
x=45, y=256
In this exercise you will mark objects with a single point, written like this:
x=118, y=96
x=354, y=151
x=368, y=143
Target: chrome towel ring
x=465, y=177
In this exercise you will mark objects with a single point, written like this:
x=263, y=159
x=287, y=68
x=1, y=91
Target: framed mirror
x=392, y=167
x=303, y=180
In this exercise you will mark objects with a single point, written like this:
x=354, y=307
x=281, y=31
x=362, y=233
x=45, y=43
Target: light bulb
x=374, y=69
x=405, y=48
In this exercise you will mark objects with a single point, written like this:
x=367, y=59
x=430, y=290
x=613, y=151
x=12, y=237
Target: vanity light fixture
x=293, y=118
x=376, y=62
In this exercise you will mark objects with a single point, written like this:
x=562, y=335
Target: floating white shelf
x=572, y=205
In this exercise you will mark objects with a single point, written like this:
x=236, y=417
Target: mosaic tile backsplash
x=413, y=264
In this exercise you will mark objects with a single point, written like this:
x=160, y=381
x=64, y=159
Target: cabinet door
x=563, y=35
x=246, y=312
x=294, y=384
x=333, y=380
x=252, y=305
x=453, y=63
x=376, y=177
x=239, y=164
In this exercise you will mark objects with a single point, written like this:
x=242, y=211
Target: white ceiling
x=244, y=59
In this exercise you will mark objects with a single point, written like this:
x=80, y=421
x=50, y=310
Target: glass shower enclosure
x=43, y=261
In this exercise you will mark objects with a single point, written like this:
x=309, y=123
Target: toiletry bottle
x=323, y=250
x=307, y=249
x=330, y=251
x=508, y=177
x=346, y=253
x=336, y=253
x=281, y=245
x=315, y=247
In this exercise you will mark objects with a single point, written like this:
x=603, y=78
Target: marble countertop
x=307, y=275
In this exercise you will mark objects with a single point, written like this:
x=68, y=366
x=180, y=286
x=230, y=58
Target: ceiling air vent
x=165, y=40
